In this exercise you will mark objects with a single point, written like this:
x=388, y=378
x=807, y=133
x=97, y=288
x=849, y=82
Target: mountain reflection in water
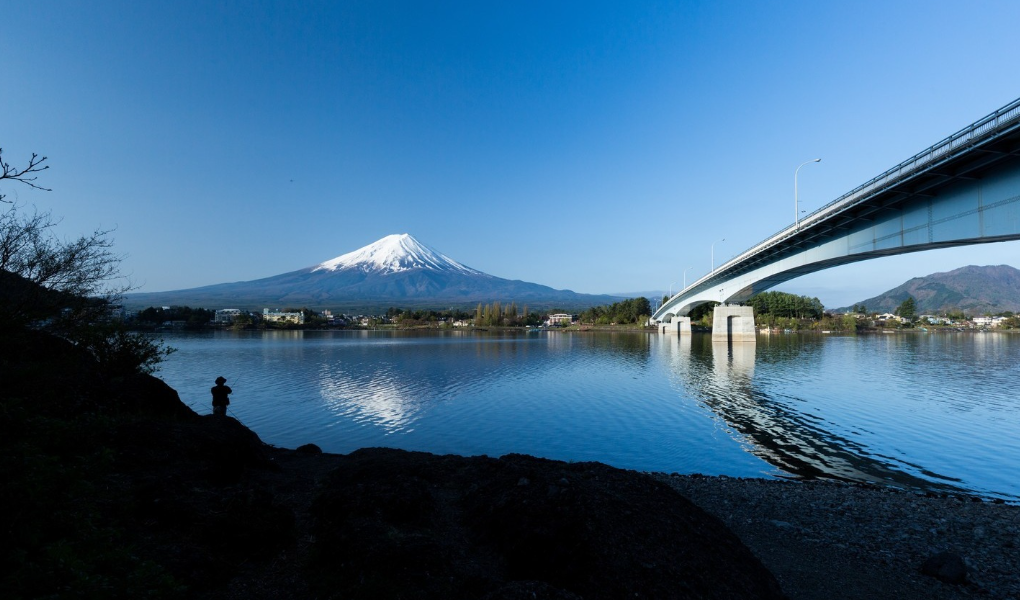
x=932, y=412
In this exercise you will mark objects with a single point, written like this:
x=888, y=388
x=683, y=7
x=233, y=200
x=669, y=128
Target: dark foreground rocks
x=395, y=524
x=838, y=541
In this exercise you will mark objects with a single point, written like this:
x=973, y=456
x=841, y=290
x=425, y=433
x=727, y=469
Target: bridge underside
x=974, y=207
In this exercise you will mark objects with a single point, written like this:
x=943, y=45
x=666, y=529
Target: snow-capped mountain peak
x=393, y=254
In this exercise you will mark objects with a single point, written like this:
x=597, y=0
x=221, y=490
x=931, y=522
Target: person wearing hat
x=220, y=398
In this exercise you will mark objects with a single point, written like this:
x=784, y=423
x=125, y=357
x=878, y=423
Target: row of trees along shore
x=625, y=312
x=498, y=314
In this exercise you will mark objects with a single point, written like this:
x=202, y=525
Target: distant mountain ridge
x=972, y=289
x=396, y=270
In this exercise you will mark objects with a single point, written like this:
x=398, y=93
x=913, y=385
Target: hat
x=221, y=379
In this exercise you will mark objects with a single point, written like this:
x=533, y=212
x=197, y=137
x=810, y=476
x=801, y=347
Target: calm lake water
x=935, y=411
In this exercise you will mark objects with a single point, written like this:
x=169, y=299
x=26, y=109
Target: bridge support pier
x=678, y=326
x=733, y=323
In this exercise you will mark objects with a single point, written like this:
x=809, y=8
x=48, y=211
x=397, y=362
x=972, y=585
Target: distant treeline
x=781, y=304
x=633, y=310
x=193, y=317
x=498, y=314
x=422, y=316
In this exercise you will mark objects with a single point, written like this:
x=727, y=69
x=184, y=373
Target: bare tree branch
x=25, y=175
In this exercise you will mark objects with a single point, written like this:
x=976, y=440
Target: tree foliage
x=77, y=276
x=500, y=315
x=783, y=305
x=67, y=287
x=633, y=310
x=424, y=317
x=702, y=313
x=907, y=309
x=193, y=317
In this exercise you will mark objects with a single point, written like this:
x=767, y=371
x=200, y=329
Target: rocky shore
x=821, y=540
x=843, y=541
x=115, y=489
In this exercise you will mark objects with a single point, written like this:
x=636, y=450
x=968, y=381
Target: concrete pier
x=733, y=323
x=678, y=326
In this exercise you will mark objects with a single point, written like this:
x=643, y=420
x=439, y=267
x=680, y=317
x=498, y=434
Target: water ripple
x=918, y=411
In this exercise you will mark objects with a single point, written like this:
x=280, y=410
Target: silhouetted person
x=220, y=398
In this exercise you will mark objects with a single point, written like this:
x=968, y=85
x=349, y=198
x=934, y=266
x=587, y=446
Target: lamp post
x=685, y=276
x=671, y=289
x=713, y=253
x=796, y=204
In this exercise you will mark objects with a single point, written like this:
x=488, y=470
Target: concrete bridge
x=962, y=190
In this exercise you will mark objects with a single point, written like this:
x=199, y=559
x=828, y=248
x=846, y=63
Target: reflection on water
x=389, y=381
x=920, y=411
x=721, y=374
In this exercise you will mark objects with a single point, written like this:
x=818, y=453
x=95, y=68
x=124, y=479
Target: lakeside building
x=227, y=315
x=283, y=317
x=559, y=319
x=987, y=321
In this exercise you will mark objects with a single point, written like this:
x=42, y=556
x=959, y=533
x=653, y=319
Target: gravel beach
x=829, y=540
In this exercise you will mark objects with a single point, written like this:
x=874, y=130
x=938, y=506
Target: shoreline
x=834, y=540
x=827, y=540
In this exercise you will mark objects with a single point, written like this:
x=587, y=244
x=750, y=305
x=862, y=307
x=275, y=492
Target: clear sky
x=595, y=146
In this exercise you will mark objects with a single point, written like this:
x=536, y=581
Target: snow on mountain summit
x=393, y=254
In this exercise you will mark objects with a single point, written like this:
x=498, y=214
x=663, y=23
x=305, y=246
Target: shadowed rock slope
x=391, y=522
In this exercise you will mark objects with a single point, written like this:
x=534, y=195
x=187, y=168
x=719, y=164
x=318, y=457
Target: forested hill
x=973, y=290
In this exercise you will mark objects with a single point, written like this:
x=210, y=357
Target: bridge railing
x=988, y=126
x=1004, y=118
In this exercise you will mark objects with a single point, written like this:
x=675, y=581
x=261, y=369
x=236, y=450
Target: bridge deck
x=987, y=145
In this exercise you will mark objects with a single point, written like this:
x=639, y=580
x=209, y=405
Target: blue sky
x=595, y=146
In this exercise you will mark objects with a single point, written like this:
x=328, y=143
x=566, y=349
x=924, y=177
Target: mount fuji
x=397, y=270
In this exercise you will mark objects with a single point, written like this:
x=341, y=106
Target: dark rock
x=946, y=566
x=148, y=395
x=530, y=590
x=250, y=520
x=309, y=449
x=218, y=449
x=404, y=524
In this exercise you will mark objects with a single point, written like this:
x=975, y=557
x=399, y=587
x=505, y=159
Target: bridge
x=963, y=190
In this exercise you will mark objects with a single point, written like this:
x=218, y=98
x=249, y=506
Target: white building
x=987, y=321
x=227, y=315
x=559, y=319
x=283, y=317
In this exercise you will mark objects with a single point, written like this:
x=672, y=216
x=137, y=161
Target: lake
x=925, y=411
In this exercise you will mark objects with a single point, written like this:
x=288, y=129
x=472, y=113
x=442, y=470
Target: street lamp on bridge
x=713, y=253
x=796, y=204
x=685, y=275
